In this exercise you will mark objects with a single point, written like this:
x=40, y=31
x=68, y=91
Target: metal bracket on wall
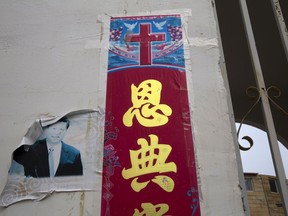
x=254, y=93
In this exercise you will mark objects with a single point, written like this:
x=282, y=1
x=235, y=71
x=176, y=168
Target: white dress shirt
x=56, y=154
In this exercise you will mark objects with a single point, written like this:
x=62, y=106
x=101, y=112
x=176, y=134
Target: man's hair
x=66, y=120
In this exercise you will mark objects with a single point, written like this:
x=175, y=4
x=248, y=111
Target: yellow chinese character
x=146, y=105
x=150, y=159
x=152, y=210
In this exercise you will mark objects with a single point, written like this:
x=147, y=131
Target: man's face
x=56, y=132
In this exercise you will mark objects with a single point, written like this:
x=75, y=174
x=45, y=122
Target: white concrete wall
x=46, y=67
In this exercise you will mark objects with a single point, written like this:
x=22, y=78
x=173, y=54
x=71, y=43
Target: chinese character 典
x=150, y=159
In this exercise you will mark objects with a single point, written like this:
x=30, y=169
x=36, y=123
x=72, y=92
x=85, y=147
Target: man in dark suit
x=51, y=156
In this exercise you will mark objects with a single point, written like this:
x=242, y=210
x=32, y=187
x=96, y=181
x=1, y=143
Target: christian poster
x=149, y=165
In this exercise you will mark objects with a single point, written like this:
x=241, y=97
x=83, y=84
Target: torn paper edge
x=36, y=129
x=31, y=136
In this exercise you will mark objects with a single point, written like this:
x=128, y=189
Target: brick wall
x=263, y=202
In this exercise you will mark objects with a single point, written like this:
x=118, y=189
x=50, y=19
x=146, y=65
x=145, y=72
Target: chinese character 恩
x=146, y=105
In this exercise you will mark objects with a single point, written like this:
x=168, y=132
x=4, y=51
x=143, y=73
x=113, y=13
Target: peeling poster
x=57, y=154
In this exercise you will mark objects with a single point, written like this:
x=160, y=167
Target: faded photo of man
x=50, y=157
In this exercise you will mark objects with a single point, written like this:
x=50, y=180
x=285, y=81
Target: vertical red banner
x=149, y=163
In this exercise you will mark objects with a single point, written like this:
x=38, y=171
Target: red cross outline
x=145, y=38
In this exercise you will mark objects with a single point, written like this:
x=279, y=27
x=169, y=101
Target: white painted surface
x=49, y=64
